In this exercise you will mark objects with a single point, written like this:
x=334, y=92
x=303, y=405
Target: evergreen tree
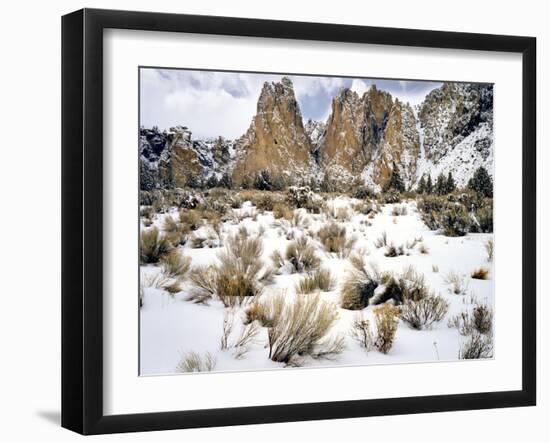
x=263, y=181
x=451, y=185
x=429, y=186
x=395, y=182
x=481, y=182
x=421, y=187
x=440, y=185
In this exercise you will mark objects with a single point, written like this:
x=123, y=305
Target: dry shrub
x=393, y=250
x=256, y=311
x=359, y=284
x=483, y=318
x=227, y=328
x=364, y=207
x=264, y=202
x=238, y=278
x=146, y=212
x=480, y=320
x=399, y=210
x=153, y=245
x=246, y=339
x=334, y=239
x=277, y=259
x=356, y=291
x=361, y=332
x=301, y=255
x=423, y=249
x=194, y=362
x=203, y=279
x=175, y=265
x=463, y=322
x=490, y=248
x=282, y=210
x=477, y=346
x=191, y=218
x=423, y=313
x=170, y=225
x=387, y=320
x=481, y=273
x=435, y=268
x=300, y=329
x=382, y=241
x=320, y=280
x=459, y=284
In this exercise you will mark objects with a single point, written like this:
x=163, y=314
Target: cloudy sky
x=223, y=103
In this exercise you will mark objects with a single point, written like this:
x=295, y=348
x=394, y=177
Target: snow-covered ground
x=172, y=326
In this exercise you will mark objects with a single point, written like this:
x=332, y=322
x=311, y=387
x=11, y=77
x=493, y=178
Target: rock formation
x=276, y=140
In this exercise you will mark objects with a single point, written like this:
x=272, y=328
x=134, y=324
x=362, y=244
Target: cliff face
x=400, y=145
x=276, y=140
x=370, y=132
x=364, y=137
x=456, y=121
x=451, y=113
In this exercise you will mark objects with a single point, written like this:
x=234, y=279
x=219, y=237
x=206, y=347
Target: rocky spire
x=276, y=140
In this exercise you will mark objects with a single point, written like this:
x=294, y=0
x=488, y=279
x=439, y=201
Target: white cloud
x=223, y=103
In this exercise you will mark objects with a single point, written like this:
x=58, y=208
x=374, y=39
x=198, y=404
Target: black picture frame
x=82, y=219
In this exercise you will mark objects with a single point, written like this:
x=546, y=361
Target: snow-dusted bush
x=238, y=278
x=356, y=292
x=423, y=313
x=150, y=198
x=359, y=284
x=301, y=329
x=484, y=217
x=264, y=202
x=479, y=319
x=153, y=245
x=391, y=196
x=362, y=192
x=381, y=241
x=476, y=346
x=334, y=239
x=282, y=210
x=339, y=213
x=454, y=221
x=170, y=225
x=195, y=362
x=393, y=250
x=191, y=218
x=361, y=332
x=203, y=279
x=301, y=255
x=299, y=196
x=459, y=284
x=387, y=319
x=175, y=265
x=399, y=210
x=365, y=208
x=319, y=280
x=483, y=318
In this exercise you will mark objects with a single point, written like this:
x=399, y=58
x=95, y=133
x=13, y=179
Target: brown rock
x=276, y=140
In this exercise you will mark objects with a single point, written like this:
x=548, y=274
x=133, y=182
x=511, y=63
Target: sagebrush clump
x=195, y=362
x=153, y=245
x=319, y=280
x=387, y=319
x=335, y=240
x=239, y=276
x=300, y=329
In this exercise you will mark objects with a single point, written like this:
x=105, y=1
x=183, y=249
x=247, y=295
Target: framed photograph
x=270, y=221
